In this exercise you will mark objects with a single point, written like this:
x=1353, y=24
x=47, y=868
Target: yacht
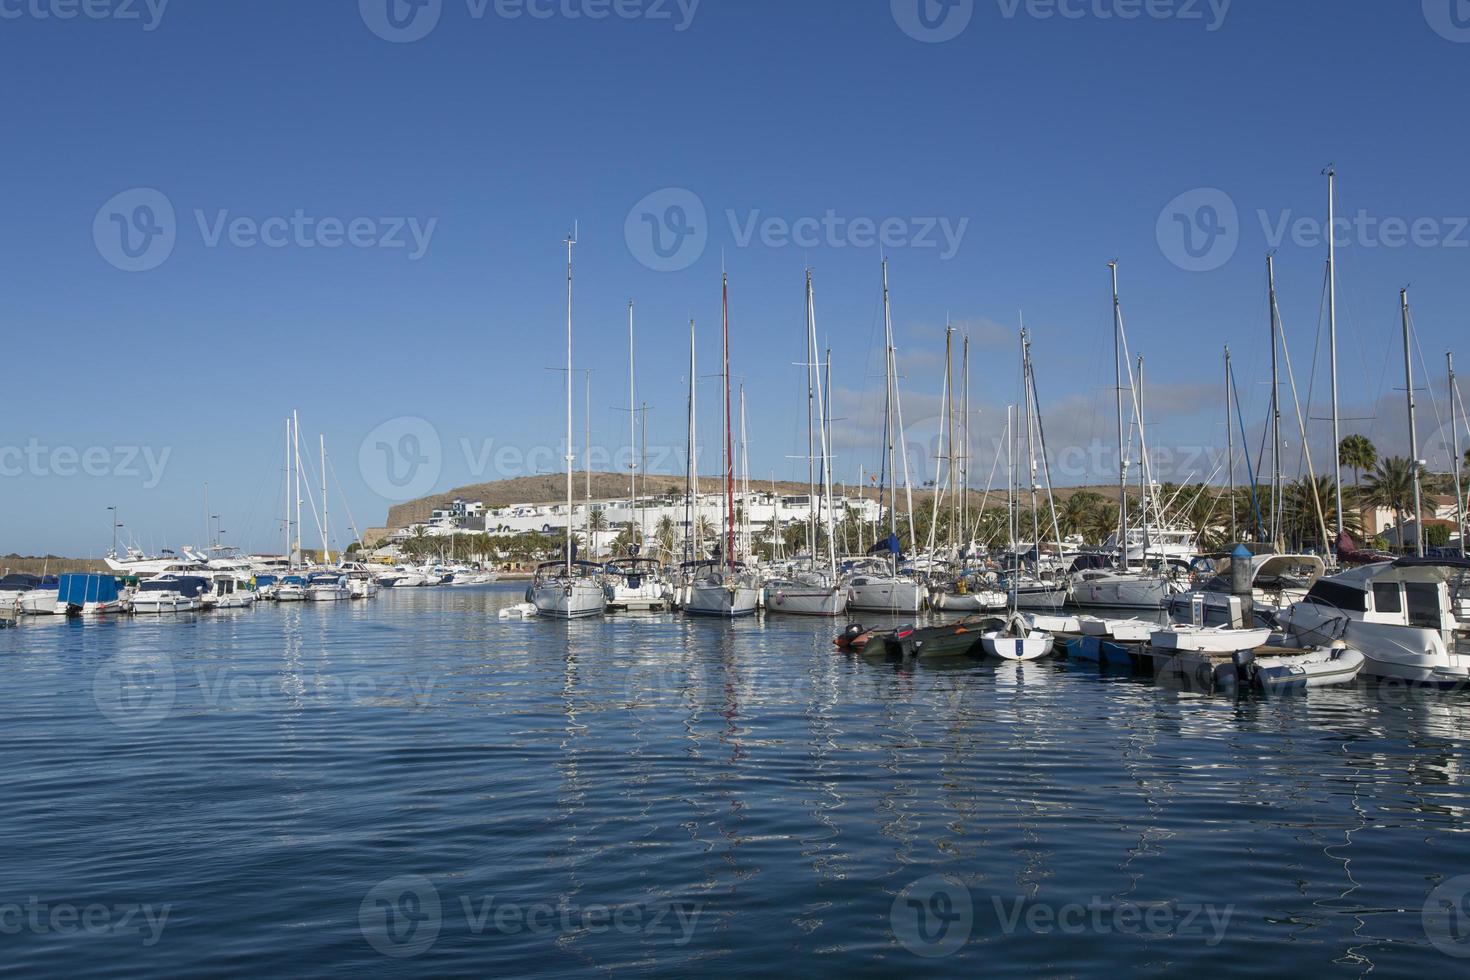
x=226, y=592
x=808, y=592
x=636, y=585
x=91, y=595
x=291, y=588
x=1098, y=588
x=567, y=590
x=718, y=588
x=135, y=563
x=874, y=586
x=170, y=594
x=327, y=587
x=1399, y=614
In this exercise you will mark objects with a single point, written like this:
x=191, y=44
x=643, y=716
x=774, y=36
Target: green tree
x=1391, y=485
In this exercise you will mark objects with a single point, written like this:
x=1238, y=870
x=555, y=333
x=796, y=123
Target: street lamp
x=115, y=526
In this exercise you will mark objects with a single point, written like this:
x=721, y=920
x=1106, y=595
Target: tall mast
x=947, y=432
x=1230, y=443
x=632, y=432
x=1276, y=502
x=811, y=383
x=587, y=467
x=1331, y=173
x=296, y=453
x=891, y=484
x=729, y=448
x=1122, y=450
x=823, y=401
x=965, y=448
x=642, y=468
x=1413, y=430
x=1459, y=458
x=287, y=522
x=571, y=241
x=824, y=404
x=326, y=548
x=1011, y=488
x=1030, y=440
x=691, y=476
x=744, y=478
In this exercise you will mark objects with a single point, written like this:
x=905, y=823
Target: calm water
x=411, y=786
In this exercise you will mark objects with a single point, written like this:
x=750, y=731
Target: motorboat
x=169, y=594
x=567, y=590
x=1399, y=614
x=635, y=584
x=137, y=564
x=1181, y=638
x=226, y=592
x=16, y=586
x=1276, y=581
x=327, y=587
x=91, y=595
x=291, y=588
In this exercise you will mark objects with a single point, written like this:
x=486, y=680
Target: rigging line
x=1246, y=448
x=1302, y=428
x=351, y=521
x=1424, y=370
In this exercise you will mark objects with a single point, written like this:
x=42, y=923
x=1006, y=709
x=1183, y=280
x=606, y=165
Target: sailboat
x=880, y=587
x=723, y=586
x=813, y=589
x=1123, y=587
x=568, y=589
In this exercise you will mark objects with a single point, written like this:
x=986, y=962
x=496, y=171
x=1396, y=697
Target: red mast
x=729, y=444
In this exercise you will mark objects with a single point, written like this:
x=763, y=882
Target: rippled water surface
x=409, y=785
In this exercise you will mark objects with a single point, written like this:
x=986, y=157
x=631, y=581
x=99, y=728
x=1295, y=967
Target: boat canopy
x=80, y=590
x=17, y=582
x=187, y=586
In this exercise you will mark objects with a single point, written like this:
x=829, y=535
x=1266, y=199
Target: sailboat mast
x=1459, y=458
x=691, y=476
x=1122, y=450
x=587, y=467
x=1413, y=430
x=1331, y=174
x=571, y=241
x=744, y=478
x=965, y=447
x=1030, y=439
x=891, y=483
x=632, y=432
x=811, y=462
x=287, y=521
x=1230, y=443
x=296, y=453
x=326, y=545
x=729, y=447
x=1276, y=502
x=824, y=405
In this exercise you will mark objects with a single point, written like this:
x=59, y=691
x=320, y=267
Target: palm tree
x=1358, y=454
x=1391, y=485
x=1102, y=522
x=667, y=536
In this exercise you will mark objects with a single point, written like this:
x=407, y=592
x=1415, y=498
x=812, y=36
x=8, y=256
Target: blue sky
x=1046, y=145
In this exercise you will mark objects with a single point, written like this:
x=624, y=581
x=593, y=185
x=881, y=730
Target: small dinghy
x=885, y=642
x=1207, y=639
x=1049, y=623
x=1285, y=670
x=522, y=610
x=1017, y=642
x=1119, y=630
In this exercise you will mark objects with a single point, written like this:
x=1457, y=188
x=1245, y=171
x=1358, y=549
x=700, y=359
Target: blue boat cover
x=79, y=590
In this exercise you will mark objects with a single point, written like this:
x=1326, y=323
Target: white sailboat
x=813, y=589
x=889, y=591
x=724, y=587
x=568, y=589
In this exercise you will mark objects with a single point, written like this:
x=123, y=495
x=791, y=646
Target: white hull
x=1209, y=639
x=577, y=599
x=1052, y=624
x=1122, y=593
x=1047, y=599
x=728, y=602
x=1118, y=630
x=162, y=603
x=41, y=604
x=968, y=602
x=328, y=593
x=1017, y=648
x=806, y=601
x=899, y=597
x=1391, y=652
x=643, y=599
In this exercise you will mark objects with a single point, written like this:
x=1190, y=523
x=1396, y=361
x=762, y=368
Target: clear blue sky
x=1060, y=141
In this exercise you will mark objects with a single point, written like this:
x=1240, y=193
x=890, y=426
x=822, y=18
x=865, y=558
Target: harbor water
x=410, y=785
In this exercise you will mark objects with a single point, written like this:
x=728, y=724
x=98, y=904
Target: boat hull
x=897, y=597
x=806, y=602
x=568, y=600
x=722, y=601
